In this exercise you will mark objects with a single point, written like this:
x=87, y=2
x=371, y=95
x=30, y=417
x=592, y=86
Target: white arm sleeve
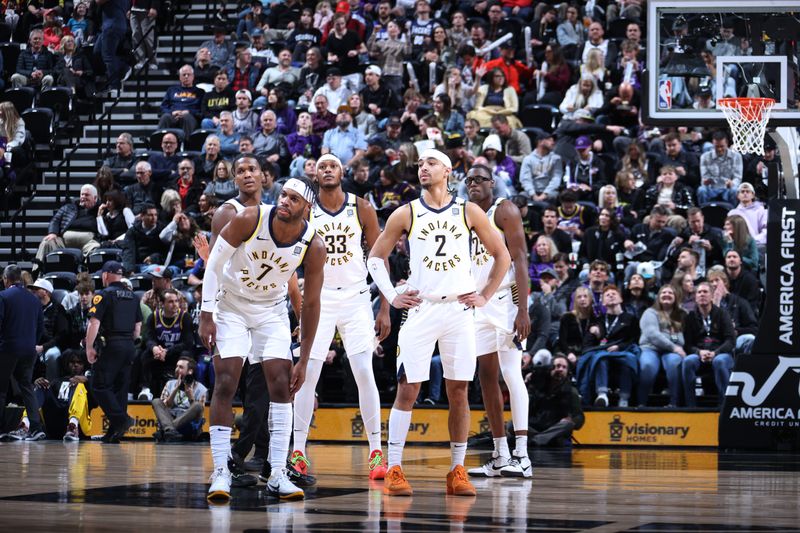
x=377, y=269
x=220, y=254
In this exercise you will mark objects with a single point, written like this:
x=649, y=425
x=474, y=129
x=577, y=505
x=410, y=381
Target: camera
x=188, y=380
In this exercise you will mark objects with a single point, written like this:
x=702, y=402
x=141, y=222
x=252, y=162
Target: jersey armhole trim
x=257, y=229
x=411, y=212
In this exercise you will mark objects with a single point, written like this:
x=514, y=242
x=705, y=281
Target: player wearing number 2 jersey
x=243, y=312
x=439, y=298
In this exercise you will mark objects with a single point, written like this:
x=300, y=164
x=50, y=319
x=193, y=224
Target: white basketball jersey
x=261, y=267
x=239, y=206
x=482, y=260
x=439, y=242
x=341, y=232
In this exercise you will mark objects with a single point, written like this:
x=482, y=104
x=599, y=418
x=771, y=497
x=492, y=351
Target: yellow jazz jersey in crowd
x=261, y=267
x=439, y=242
x=482, y=260
x=345, y=266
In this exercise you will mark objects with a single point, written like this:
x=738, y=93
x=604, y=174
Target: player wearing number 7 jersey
x=343, y=221
x=243, y=312
x=440, y=298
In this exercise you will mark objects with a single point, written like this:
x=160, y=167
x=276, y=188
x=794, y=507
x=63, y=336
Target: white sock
x=280, y=433
x=220, y=445
x=369, y=401
x=73, y=420
x=458, y=450
x=511, y=368
x=501, y=447
x=398, y=431
x=304, y=404
x=25, y=423
x=521, y=448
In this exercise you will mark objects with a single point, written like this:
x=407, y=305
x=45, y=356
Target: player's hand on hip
x=407, y=300
x=207, y=330
x=473, y=299
x=297, y=379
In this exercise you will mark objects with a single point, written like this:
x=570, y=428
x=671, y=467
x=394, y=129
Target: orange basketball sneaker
x=377, y=465
x=395, y=483
x=458, y=484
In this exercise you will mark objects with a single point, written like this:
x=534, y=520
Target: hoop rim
x=746, y=102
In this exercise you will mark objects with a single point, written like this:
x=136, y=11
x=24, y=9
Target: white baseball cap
x=42, y=284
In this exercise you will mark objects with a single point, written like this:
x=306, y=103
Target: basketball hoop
x=747, y=118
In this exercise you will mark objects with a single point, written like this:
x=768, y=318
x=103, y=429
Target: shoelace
x=376, y=461
x=396, y=476
x=300, y=458
x=460, y=475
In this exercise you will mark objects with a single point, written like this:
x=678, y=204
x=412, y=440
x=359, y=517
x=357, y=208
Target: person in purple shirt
x=21, y=327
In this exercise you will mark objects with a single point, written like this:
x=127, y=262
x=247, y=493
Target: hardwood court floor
x=50, y=486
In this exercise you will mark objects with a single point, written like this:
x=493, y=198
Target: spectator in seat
x=73, y=68
x=165, y=164
x=122, y=160
x=743, y=282
x=284, y=113
x=179, y=235
x=378, y=98
x=448, y=119
x=516, y=72
x=555, y=408
x=616, y=332
x=220, y=48
x=550, y=228
x=189, y=189
x=304, y=36
x=221, y=185
x=143, y=247
x=389, y=55
x=720, y=172
x=571, y=34
x=662, y=343
x=269, y=143
x=322, y=119
x=35, y=64
x=584, y=95
x=180, y=107
x=270, y=188
x=220, y=98
x=282, y=73
x=304, y=142
x=114, y=217
x=313, y=75
x=516, y=143
x=65, y=401
x=496, y=97
x=702, y=238
x=574, y=336
x=204, y=71
x=604, y=241
x=542, y=256
x=392, y=191
x=745, y=323
x=206, y=207
x=169, y=337
x=144, y=191
x=80, y=25
x=359, y=183
x=710, y=341
x=685, y=163
x=334, y=90
x=12, y=127
x=636, y=296
x=243, y=75
x=736, y=236
x=245, y=120
x=181, y=405
x=607, y=198
x=228, y=137
x=596, y=40
x=573, y=217
x=79, y=314
x=56, y=328
x=162, y=281
x=344, y=47
x=73, y=226
x=669, y=193
x=211, y=156
x=656, y=237
x=754, y=213
x=587, y=173
x=345, y=141
x=541, y=172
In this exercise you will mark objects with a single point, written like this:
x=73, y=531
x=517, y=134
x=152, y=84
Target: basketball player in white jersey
x=440, y=296
x=243, y=312
x=497, y=324
x=343, y=220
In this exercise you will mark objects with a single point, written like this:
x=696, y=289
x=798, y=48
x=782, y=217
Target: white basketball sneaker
x=492, y=468
x=220, y=489
x=280, y=486
x=518, y=466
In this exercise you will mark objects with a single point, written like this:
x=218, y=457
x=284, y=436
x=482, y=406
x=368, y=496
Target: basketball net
x=747, y=119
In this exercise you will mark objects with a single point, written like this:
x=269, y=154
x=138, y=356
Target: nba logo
x=665, y=94
x=349, y=212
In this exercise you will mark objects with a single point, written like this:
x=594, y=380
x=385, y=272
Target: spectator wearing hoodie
x=753, y=212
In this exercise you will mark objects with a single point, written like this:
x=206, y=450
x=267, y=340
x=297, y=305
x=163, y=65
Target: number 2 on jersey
x=441, y=240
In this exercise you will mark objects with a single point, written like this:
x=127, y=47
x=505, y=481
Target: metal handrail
x=21, y=212
x=65, y=163
x=178, y=56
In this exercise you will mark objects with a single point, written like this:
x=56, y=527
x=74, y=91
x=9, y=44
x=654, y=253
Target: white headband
x=439, y=156
x=330, y=157
x=300, y=188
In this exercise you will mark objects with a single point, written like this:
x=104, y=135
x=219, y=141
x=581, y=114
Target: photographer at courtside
x=181, y=404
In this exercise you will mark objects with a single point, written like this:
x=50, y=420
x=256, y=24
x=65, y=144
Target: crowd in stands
x=646, y=245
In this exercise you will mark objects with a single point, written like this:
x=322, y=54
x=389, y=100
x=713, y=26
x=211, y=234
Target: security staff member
x=116, y=318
